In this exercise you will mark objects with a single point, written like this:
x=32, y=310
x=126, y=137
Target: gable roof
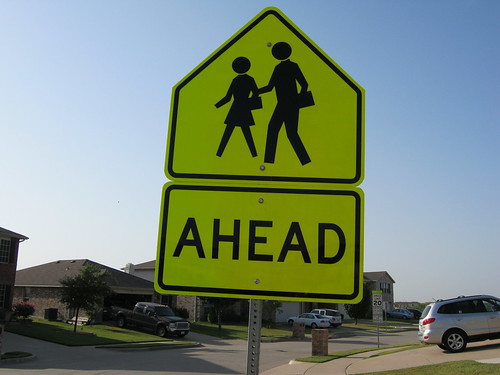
x=49, y=274
x=377, y=276
x=11, y=234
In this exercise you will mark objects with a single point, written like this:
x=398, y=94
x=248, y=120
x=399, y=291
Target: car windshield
x=164, y=311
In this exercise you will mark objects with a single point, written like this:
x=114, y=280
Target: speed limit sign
x=378, y=314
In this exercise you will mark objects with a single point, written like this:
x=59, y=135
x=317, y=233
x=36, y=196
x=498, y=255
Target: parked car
x=310, y=320
x=452, y=323
x=158, y=318
x=334, y=316
x=416, y=313
x=400, y=314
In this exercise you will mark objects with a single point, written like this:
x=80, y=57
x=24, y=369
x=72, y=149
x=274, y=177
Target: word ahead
x=255, y=242
x=294, y=241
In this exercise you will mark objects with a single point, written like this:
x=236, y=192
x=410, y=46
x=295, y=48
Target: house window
x=4, y=251
x=385, y=287
x=4, y=295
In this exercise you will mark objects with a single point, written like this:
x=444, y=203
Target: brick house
x=40, y=285
x=9, y=247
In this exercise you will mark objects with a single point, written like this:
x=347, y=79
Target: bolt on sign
x=267, y=105
x=259, y=133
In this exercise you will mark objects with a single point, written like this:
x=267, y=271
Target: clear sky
x=85, y=92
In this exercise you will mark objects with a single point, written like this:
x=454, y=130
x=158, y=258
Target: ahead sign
x=254, y=242
x=267, y=105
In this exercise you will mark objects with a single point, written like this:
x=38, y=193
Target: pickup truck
x=158, y=318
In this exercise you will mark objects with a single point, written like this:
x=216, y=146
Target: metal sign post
x=254, y=330
x=378, y=316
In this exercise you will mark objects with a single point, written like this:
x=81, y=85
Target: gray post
x=254, y=329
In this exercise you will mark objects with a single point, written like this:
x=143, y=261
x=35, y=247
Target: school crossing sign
x=268, y=105
x=265, y=151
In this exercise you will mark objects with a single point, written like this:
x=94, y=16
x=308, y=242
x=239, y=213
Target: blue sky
x=85, y=94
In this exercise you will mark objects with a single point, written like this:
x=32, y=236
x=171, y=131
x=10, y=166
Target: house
x=371, y=280
x=9, y=247
x=144, y=270
x=381, y=280
x=192, y=304
x=40, y=285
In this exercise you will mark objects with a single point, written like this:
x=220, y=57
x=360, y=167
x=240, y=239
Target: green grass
x=239, y=331
x=62, y=333
x=284, y=332
x=447, y=368
x=386, y=326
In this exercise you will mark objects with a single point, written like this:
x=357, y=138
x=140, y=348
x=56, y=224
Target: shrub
x=23, y=309
x=182, y=312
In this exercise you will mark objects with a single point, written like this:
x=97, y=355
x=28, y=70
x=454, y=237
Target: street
x=214, y=356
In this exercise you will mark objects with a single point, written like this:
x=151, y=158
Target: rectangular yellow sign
x=261, y=243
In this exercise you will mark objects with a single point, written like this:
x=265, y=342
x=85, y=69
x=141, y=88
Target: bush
x=23, y=309
x=181, y=312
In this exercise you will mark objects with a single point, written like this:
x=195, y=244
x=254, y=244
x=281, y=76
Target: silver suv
x=452, y=323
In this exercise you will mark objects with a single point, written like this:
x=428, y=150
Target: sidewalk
x=487, y=352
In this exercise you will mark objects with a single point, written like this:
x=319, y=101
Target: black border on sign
x=325, y=59
x=263, y=293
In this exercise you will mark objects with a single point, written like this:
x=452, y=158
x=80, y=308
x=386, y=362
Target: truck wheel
x=120, y=322
x=161, y=331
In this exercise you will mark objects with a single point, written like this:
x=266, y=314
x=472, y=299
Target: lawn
x=447, y=368
x=283, y=331
x=240, y=331
x=99, y=334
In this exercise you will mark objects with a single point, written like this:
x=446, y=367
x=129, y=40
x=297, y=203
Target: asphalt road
x=213, y=356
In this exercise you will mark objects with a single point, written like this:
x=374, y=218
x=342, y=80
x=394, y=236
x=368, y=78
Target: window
x=385, y=287
x=4, y=251
x=4, y=295
x=461, y=307
x=491, y=305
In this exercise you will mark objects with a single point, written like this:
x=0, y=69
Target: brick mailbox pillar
x=299, y=330
x=319, y=342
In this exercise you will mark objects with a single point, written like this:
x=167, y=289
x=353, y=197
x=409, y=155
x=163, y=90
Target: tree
x=269, y=310
x=361, y=309
x=219, y=304
x=85, y=290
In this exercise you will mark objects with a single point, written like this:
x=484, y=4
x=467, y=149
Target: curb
x=17, y=360
x=155, y=347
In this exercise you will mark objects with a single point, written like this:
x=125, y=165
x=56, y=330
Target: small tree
x=24, y=309
x=85, y=290
x=361, y=309
x=269, y=310
x=219, y=304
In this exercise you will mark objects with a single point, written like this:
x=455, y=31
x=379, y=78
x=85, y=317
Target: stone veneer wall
x=42, y=298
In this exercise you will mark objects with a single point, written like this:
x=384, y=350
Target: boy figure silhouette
x=240, y=112
x=283, y=80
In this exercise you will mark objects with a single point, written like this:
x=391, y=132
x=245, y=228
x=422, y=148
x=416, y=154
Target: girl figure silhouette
x=240, y=113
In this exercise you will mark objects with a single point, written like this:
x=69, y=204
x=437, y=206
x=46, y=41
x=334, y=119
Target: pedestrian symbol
x=240, y=113
x=285, y=76
x=267, y=105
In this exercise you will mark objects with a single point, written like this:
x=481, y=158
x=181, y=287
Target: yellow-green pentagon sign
x=261, y=242
x=267, y=105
